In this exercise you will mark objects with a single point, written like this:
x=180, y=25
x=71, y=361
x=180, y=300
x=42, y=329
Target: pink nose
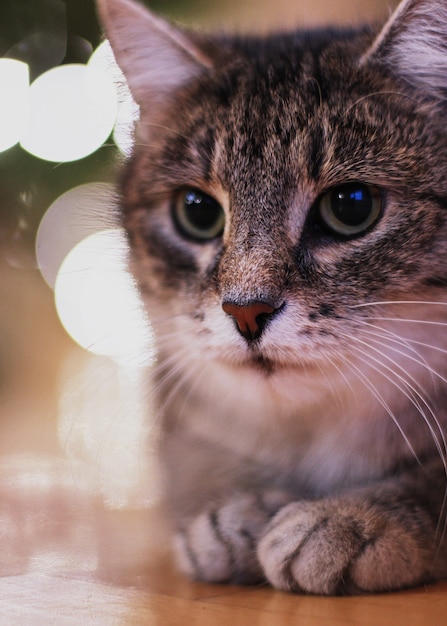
x=250, y=318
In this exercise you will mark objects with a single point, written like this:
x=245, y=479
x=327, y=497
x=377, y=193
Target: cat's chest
x=293, y=424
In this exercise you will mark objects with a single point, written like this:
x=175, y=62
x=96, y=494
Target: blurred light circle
x=14, y=81
x=128, y=112
x=123, y=133
x=73, y=216
x=103, y=60
x=72, y=112
x=98, y=303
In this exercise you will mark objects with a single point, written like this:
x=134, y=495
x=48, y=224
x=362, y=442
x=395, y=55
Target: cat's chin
x=264, y=365
x=268, y=367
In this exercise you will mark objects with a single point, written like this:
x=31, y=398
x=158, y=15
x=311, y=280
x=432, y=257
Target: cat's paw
x=220, y=545
x=342, y=546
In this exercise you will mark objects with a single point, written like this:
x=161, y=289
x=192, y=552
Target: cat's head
x=279, y=186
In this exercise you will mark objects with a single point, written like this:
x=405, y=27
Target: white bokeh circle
x=14, y=102
x=98, y=303
x=72, y=112
x=73, y=216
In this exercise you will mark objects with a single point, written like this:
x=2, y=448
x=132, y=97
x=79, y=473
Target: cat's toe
x=302, y=550
x=219, y=545
x=325, y=548
x=201, y=552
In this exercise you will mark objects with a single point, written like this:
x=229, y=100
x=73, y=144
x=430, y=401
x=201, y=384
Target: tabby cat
x=286, y=208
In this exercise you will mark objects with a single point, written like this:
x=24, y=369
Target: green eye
x=350, y=209
x=198, y=215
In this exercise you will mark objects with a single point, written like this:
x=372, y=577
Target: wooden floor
x=66, y=559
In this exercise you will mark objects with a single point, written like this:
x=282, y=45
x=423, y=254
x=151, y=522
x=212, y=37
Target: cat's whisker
x=386, y=356
x=428, y=345
x=198, y=374
x=168, y=129
x=373, y=390
x=411, y=393
x=390, y=340
x=335, y=390
x=428, y=368
x=407, y=342
x=377, y=303
x=178, y=372
x=387, y=335
x=378, y=93
x=419, y=360
x=404, y=320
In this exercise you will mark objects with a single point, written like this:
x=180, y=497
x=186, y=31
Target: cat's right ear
x=155, y=57
x=413, y=45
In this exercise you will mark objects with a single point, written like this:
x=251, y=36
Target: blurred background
x=75, y=414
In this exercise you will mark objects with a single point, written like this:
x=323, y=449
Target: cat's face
x=282, y=189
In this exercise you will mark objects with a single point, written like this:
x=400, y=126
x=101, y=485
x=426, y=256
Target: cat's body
x=286, y=205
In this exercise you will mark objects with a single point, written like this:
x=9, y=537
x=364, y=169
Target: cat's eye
x=198, y=216
x=350, y=209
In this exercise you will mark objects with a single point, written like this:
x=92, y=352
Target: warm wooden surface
x=70, y=561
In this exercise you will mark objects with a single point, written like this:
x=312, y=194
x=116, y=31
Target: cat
x=286, y=210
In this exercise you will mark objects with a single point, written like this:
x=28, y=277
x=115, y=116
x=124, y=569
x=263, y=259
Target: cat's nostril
x=250, y=318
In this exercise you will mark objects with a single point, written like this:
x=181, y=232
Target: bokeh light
x=76, y=214
x=72, y=112
x=104, y=422
x=98, y=303
x=128, y=111
x=14, y=110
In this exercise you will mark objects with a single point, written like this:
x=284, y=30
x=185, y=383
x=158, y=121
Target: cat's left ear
x=156, y=57
x=413, y=45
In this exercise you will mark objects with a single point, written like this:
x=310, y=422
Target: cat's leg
x=220, y=544
x=371, y=541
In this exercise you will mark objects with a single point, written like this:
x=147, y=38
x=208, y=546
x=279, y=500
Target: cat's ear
x=413, y=44
x=155, y=57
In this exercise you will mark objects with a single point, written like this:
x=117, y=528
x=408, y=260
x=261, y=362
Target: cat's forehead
x=294, y=114
x=302, y=107
x=258, y=114
x=272, y=95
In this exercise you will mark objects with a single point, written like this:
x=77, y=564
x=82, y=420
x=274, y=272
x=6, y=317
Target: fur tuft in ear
x=413, y=44
x=155, y=57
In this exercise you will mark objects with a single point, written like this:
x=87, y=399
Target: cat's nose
x=250, y=318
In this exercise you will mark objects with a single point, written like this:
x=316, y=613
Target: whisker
x=427, y=345
x=387, y=302
x=378, y=93
x=387, y=335
x=413, y=395
x=392, y=338
x=367, y=383
x=409, y=321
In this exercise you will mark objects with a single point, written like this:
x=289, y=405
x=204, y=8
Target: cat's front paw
x=220, y=544
x=339, y=546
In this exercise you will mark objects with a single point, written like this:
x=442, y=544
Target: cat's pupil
x=351, y=208
x=198, y=215
x=351, y=205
